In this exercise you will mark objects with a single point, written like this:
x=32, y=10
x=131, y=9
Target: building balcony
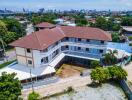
x=84, y=55
x=78, y=44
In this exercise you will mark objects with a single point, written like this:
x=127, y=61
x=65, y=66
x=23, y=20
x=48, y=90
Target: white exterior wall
x=20, y=51
x=22, y=60
x=37, y=58
x=36, y=55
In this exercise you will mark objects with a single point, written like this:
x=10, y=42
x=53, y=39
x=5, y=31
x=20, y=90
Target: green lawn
x=6, y=64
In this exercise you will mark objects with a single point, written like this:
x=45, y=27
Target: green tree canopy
x=14, y=26
x=106, y=24
x=115, y=37
x=10, y=87
x=110, y=57
x=126, y=21
x=117, y=72
x=9, y=37
x=100, y=75
x=3, y=29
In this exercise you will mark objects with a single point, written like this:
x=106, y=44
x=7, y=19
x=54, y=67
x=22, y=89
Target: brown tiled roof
x=44, y=38
x=45, y=25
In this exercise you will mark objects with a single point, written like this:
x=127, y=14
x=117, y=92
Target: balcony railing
x=84, y=45
x=83, y=54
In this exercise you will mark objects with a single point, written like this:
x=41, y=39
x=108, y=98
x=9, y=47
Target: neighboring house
x=127, y=30
x=44, y=25
x=43, y=50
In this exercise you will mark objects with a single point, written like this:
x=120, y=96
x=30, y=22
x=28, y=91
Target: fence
x=41, y=82
x=126, y=89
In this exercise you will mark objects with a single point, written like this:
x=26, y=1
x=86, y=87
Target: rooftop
x=127, y=28
x=45, y=25
x=42, y=39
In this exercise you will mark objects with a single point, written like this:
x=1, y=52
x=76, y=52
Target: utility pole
x=31, y=80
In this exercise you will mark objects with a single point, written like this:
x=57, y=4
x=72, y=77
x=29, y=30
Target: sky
x=66, y=4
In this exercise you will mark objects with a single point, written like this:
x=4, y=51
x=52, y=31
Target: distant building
x=127, y=30
x=44, y=25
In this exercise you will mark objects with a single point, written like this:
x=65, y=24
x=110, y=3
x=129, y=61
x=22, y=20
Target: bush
x=33, y=96
x=117, y=72
x=100, y=75
x=130, y=38
x=94, y=64
x=130, y=44
x=70, y=89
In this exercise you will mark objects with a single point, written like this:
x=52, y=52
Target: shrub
x=70, y=89
x=33, y=96
x=130, y=44
x=100, y=75
x=94, y=64
x=117, y=72
x=130, y=38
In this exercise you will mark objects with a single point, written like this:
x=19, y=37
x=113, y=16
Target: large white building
x=48, y=46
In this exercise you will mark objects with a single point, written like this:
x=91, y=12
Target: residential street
x=76, y=81
x=128, y=68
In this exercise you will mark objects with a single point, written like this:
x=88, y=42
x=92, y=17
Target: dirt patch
x=67, y=70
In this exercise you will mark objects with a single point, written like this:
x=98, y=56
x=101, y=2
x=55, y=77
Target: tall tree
x=100, y=75
x=110, y=57
x=10, y=87
x=3, y=29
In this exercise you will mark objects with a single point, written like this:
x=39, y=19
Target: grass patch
x=6, y=64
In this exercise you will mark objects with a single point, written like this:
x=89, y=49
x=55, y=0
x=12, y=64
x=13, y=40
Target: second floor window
x=102, y=42
x=67, y=38
x=88, y=40
x=101, y=51
x=79, y=48
x=28, y=51
x=79, y=39
x=87, y=49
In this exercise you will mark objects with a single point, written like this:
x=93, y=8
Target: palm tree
x=110, y=58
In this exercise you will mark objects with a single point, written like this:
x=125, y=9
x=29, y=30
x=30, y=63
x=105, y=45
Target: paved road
x=128, y=68
x=76, y=81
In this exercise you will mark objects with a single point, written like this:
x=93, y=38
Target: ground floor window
x=30, y=62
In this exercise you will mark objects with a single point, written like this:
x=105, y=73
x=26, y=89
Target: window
x=67, y=38
x=88, y=40
x=102, y=42
x=67, y=46
x=79, y=48
x=44, y=60
x=101, y=51
x=79, y=39
x=28, y=51
x=87, y=49
x=30, y=62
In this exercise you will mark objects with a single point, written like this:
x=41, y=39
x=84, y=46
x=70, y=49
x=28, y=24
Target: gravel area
x=106, y=92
